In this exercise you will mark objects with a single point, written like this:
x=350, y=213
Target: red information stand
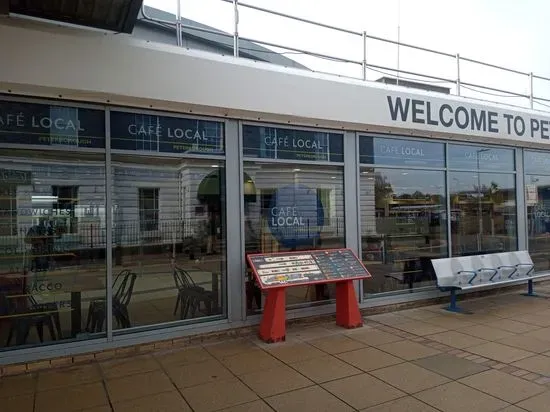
x=277, y=271
x=273, y=324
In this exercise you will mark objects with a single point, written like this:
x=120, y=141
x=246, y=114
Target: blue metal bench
x=480, y=271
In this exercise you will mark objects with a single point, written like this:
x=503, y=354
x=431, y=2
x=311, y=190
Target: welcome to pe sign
x=467, y=119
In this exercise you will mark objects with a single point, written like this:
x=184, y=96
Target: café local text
x=173, y=133
x=17, y=120
x=295, y=142
x=286, y=216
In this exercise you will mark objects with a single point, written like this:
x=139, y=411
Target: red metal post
x=273, y=324
x=347, y=307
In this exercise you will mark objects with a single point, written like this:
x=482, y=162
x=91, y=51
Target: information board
x=306, y=267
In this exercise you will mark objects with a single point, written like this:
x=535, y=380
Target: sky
x=509, y=33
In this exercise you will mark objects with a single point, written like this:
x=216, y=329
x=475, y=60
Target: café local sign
x=464, y=118
x=294, y=143
x=12, y=121
x=140, y=130
x=295, y=215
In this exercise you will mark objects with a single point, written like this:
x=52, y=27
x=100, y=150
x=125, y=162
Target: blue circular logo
x=295, y=216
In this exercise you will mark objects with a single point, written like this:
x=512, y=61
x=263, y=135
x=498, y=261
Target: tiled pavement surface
x=419, y=360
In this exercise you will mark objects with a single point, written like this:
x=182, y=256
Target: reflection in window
x=536, y=163
x=295, y=144
x=147, y=141
x=8, y=210
x=483, y=212
x=67, y=136
x=537, y=197
x=52, y=258
x=169, y=240
x=292, y=208
x=148, y=209
x=326, y=197
x=403, y=227
x=397, y=152
x=480, y=158
x=65, y=208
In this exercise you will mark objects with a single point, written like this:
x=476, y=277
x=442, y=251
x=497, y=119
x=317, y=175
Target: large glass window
x=52, y=255
x=483, y=203
x=483, y=213
x=291, y=206
x=169, y=234
x=537, y=199
x=52, y=221
x=403, y=227
x=169, y=237
x=403, y=212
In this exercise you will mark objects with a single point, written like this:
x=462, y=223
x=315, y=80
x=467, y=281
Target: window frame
x=11, y=216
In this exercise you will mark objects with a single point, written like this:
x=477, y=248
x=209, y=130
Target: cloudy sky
x=509, y=33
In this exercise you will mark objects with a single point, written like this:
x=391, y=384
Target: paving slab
x=450, y=366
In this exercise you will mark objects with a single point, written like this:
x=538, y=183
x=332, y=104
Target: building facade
x=131, y=194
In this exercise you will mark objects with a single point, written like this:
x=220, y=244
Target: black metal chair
x=22, y=317
x=121, y=300
x=52, y=308
x=123, y=287
x=190, y=295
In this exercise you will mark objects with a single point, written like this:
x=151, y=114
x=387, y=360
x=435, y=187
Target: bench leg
x=530, y=287
x=452, y=305
x=530, y=291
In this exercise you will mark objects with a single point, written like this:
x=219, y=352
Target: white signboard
x=428, y=113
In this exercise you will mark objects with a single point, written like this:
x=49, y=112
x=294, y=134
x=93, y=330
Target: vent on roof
x=114, y=15
x=414, y=85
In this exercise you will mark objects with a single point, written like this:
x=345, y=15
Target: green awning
x=209, y=188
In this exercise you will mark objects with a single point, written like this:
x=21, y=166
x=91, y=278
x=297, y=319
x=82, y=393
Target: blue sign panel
x=292, y=144
x=51, y=125
x=151, y=133
x=295, y=216
x=399, y=152
x=536, y=162
x=480, y=158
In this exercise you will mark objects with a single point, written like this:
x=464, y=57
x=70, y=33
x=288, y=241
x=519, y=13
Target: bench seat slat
x=503, y=282
x=483, y=270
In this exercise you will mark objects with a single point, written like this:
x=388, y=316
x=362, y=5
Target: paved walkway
x=420, y=360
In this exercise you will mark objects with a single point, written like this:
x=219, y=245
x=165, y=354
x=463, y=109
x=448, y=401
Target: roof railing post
x=458, y=74
x=531, y=90
x=236, y=26
x=364, y=55
x=179, y=40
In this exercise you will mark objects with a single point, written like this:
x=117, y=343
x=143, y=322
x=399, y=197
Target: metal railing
x=462, y=87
